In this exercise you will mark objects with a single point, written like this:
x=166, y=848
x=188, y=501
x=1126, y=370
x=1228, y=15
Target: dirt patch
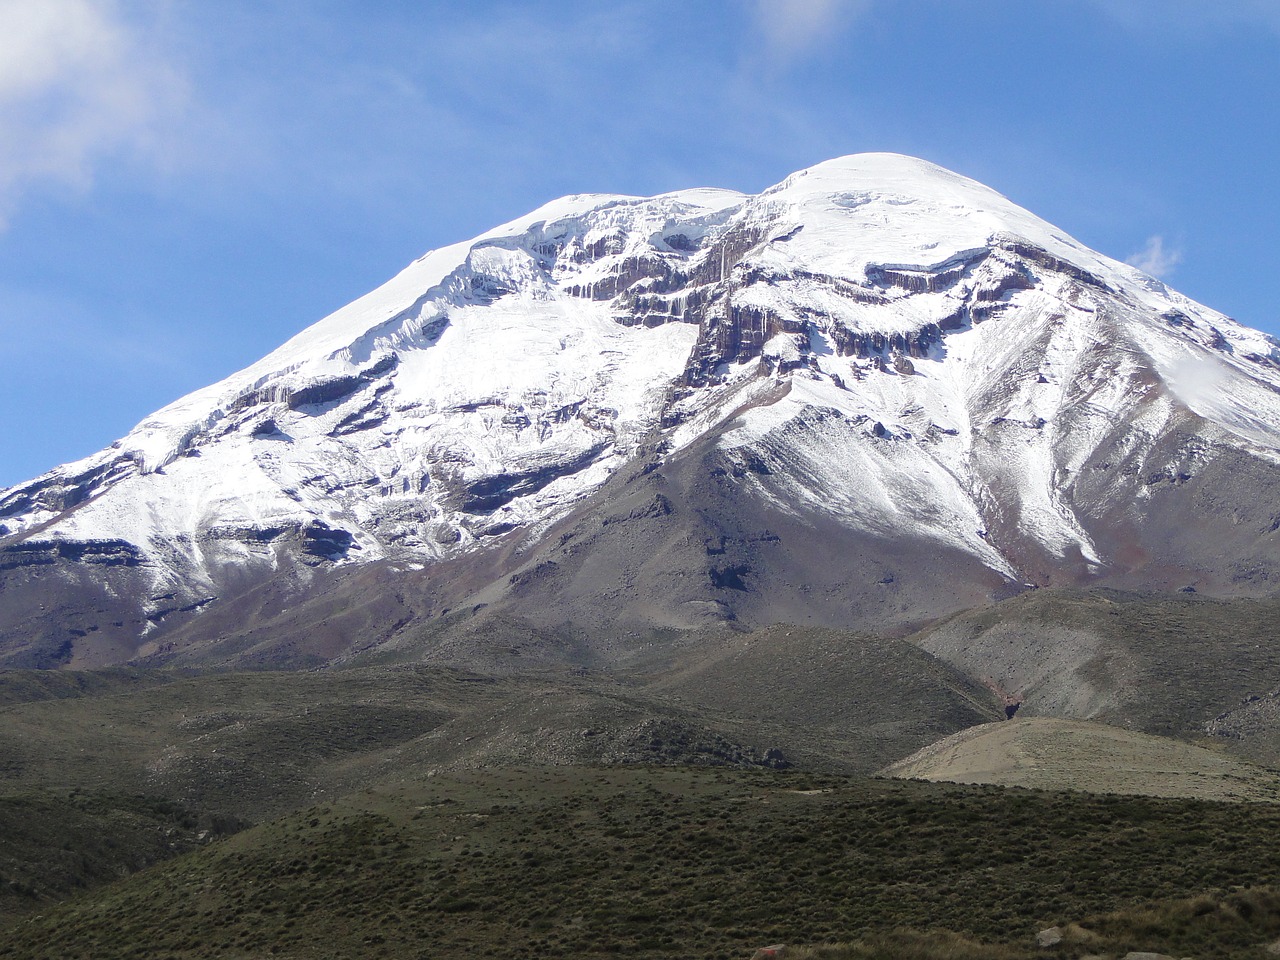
x=1054, y=754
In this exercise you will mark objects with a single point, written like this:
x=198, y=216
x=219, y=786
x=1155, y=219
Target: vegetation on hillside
x=631, y=861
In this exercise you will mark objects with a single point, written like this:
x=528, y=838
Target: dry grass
x=910, y=945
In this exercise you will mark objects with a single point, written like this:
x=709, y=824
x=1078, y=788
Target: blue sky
x=184, y=184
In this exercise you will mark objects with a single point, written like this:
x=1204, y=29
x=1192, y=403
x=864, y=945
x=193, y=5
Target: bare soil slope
x=1054, y=754
x=1176, y=665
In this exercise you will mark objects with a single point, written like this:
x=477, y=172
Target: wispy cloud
x=794, y=27
x=1155, y=259
x=78, y=81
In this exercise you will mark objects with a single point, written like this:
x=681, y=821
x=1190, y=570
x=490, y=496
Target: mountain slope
x=870, y=396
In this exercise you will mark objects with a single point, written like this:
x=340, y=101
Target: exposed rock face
x=31, y=553
x=867, y=396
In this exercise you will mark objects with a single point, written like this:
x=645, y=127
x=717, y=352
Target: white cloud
x=1155, y=259
x=793, y=27
x=78, y=81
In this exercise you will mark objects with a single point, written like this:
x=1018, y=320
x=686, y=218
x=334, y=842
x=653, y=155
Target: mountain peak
x=877, y=390
x=890, y=175
x=881, y=169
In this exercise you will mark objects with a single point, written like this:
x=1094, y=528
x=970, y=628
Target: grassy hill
x=702, y=796
x=53, y=845
x=668, y=862
x=255, y=745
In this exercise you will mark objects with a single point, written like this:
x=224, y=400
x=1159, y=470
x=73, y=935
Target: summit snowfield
x=871, y=395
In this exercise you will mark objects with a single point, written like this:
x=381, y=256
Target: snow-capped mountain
x=874, y=393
